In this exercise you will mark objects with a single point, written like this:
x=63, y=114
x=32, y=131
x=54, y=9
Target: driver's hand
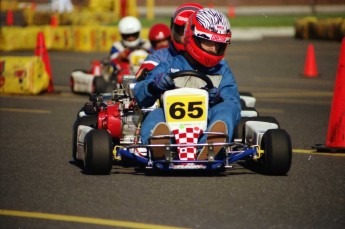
x=124, y=54
x=214, y=96
x=163, y=82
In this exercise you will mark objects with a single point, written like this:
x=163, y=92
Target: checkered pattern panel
x=187, y=135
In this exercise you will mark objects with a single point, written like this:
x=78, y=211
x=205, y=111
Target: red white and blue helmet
x=178, y=21
x=208, y=24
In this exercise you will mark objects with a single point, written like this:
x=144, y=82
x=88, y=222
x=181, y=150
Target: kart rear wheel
x=277, y=148
x=98, y=152
x=89, y=120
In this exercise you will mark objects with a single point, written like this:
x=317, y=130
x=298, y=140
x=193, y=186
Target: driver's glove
x=214, y=96
x=162, y=83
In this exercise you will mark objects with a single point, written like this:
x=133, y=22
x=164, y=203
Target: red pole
x=123, y=11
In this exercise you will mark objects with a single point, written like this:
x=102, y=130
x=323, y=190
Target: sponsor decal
x=220, y=27
x=218, y=38
x=160, y=35
x=180, y=18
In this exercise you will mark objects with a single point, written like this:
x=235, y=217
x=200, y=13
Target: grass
x=253, y=21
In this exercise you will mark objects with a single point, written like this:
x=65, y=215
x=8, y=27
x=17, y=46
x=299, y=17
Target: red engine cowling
x=110, y=118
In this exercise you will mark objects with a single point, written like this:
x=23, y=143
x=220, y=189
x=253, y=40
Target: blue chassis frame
x=167, y=165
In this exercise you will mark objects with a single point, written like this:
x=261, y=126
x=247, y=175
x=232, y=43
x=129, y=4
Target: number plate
x=186, y=108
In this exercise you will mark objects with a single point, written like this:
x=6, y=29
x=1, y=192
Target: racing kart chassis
x=169, y=163
x=107, y=131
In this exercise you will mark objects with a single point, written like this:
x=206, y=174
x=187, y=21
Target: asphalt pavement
x=41, y=188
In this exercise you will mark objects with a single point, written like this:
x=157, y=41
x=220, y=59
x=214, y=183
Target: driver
x=129, y=28
x=177, y=24
x=159, y=36
x=207, y=35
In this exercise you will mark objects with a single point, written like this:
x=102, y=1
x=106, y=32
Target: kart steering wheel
x=193, y=73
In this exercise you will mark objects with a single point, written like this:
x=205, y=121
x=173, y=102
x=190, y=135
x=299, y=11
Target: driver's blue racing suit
x=154, y=59
x=228, y=110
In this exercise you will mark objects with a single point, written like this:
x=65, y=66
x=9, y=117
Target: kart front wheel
x=89, y=120
x=98, y=152
x=277, y=148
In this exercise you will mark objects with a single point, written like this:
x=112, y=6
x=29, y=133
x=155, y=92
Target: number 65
x=178, y=110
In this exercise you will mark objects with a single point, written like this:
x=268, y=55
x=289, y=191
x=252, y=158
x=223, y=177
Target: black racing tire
x=244, y=93
x=98, y=152
x=239, y=129
x=243, y=103
x=277, y=156
x=71, y=84
x=99, y=84
x=89, y=120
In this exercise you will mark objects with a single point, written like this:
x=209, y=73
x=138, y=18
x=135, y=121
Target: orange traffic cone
x=335, y=141
x=9, y=18
x=96, y=68
x=310, y=68
x=231, y=12
x=43, y=53
x=336, y=127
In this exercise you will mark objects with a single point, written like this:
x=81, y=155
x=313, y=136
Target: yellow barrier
x=8, y=5
x=18, y=38
x=85, y=38
x=150, y=4
x=23, y=75
x=88, y=18
x=132, y=8
x=73, y=38
x=325, y=29
x=101, y=5
x=59, y=38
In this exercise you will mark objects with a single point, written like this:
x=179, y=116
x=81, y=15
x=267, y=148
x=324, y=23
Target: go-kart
x=107, y=131
x=105, y=75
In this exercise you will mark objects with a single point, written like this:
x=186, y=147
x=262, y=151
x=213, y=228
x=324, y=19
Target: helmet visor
x=211, y=47
x=130, y=37
x=178, y=31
